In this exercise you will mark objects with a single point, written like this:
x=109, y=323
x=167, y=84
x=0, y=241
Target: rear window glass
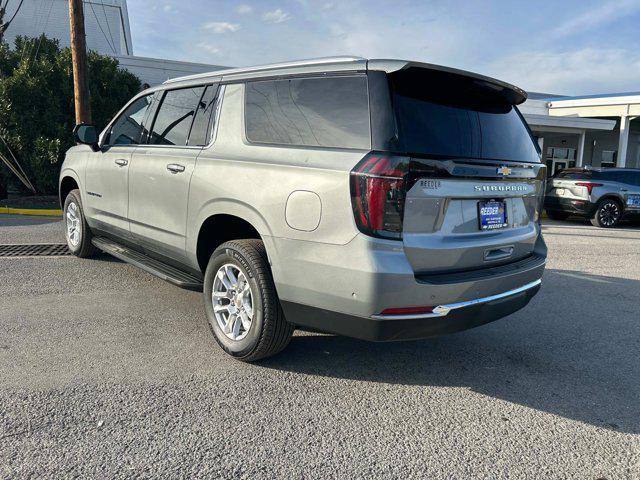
x=174, y=118
x=202, y=123
x=453, y=116
x=572, y=175
x=314, y=112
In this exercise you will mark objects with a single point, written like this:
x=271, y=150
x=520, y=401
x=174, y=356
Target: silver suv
x=604, y=195
x=380, y=199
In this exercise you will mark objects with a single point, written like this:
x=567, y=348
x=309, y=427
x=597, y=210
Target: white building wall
x=155, y=71
x=106, y=23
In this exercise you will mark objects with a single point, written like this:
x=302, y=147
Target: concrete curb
x=31, y=211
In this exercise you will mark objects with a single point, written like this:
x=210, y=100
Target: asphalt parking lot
x=107, y=371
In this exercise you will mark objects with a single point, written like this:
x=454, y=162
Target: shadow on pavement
x=573, y=352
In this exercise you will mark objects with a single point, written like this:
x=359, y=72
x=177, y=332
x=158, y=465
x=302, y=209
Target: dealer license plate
x=492, y=214
x=633, y=201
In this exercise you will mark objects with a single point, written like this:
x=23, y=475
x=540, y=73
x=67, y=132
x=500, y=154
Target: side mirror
x=86, y=135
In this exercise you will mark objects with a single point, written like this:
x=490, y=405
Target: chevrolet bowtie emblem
x=504, y=171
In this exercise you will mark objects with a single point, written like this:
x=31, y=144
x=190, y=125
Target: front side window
x=315, y=112
x=127, y=129
x=174, y=118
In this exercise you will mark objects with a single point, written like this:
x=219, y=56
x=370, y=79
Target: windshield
x=443, y=114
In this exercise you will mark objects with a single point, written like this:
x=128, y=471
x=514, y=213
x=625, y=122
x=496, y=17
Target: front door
x=107, y=171
x=160, y=171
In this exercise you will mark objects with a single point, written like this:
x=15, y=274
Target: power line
x=44, y=28
x=101, y=29
x=6, y=25
x=104, y=11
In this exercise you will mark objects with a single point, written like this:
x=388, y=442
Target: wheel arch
x=68, y=181
x=611, y=196
x=217, y=229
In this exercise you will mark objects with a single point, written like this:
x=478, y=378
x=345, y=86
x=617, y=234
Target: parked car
x=603, y=195
x=380, y=199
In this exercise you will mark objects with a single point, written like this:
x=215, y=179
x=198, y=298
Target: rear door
x=475, y=180
x=161, y=170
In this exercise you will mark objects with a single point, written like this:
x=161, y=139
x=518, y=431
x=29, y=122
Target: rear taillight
x=378, y=185
x=589, y=185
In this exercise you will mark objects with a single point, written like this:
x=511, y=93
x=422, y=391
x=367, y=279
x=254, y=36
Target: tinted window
x=127, y=129
x=613, y=176
x=173, y=120
x=454, y=116
x=326, y=112
x=201, y=129
x=150, y=115
x=573, y=175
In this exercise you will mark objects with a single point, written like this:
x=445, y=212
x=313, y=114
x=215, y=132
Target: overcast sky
x=562, y=46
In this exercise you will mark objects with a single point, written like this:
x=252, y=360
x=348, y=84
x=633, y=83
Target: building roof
x=596, y=100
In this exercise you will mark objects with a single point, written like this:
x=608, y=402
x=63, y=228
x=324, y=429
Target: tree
x=36, y=103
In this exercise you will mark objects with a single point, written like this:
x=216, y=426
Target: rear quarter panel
x=254, y=182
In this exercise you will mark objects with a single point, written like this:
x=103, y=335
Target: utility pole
x=79, y=60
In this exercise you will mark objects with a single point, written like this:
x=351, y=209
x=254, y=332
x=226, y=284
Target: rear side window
x=202, y=123
x=450, y=115
x=314, y=112
x=613, y=176
x=127, y=129
x=174, y=118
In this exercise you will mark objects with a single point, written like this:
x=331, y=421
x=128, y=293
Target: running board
x=148, y=264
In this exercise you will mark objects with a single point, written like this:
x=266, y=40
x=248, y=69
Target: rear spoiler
x=511, y=93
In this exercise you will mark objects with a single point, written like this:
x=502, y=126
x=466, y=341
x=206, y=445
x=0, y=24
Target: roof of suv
x=346, y=63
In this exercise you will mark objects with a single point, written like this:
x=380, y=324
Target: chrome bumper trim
x=443, y=310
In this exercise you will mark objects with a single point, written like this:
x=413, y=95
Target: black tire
x=607, y=214
x=83, y=247
x=557, y=215
x=269, y=332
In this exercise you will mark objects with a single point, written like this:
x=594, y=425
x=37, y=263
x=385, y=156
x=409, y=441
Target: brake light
x=378, y=194
x=589, y=185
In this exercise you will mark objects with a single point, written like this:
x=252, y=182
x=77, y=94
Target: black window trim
x=248, y=142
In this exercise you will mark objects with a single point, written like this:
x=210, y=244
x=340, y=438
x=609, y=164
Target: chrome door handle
x=624, y=190
x=175, y=168
x=122, y=162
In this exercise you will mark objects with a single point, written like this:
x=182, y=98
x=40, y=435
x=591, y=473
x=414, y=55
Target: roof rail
x=272, y=66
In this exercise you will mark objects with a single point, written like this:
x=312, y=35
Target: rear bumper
x=343, y=289
x=448, y=319
x=572, y=206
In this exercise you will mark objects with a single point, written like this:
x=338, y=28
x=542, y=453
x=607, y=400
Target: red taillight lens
x=378, y=193
x=589, y=185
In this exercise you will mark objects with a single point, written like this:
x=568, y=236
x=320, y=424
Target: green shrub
x=37, y=109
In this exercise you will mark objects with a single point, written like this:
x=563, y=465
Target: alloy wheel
x=74, y=224
x=232, y=302
x=609, y=213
